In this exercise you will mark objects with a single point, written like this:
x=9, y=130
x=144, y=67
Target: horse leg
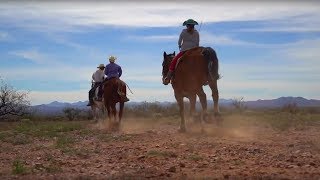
x=215, y=95
x=93, y=109
x=121, y=111
x=103, y=110
x=114, y=115
x=114, y=111
x=203, y=100
x=192, y=99
x=109, y=111
x=179, y=99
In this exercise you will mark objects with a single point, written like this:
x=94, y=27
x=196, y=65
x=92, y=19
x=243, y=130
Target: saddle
x=121, y=88
x=209, y=55
x=197, y=51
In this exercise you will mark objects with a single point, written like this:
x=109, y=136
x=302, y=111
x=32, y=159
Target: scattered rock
x=141, y=157
x=172, y=169
x=312, y=164
x=182, y=165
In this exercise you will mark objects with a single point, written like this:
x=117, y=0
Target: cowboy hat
x=112, y=58
x=101, y=66
x=190, y=22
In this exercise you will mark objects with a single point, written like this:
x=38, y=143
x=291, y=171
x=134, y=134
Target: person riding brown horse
x=97, y=80
x=114, y=89
x=188, y=39
x=196, y=67
x=113, y=70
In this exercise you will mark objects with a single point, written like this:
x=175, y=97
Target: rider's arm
x=92, y=76
x=120, y=71
x=180, y=40
x=106, y=71
x=197, y=38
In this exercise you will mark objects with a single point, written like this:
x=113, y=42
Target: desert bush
x=290, y=107
x=71, y=113
x=18, y=167
x=152, y=110
x=239, y=104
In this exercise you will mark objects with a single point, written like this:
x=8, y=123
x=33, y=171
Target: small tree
x=71, y=113
x=238, y=104
x=12, y=102
x=290, y=107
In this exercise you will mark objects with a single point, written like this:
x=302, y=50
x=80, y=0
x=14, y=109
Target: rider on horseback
x=97, y=78
x=189, y=38
x=113, y=70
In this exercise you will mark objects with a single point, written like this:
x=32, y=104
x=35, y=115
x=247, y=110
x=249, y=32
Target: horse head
x=167, y=58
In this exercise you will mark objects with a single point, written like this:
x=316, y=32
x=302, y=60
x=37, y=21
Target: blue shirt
x=113, y=70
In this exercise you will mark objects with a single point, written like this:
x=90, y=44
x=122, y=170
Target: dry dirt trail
x=157, y=151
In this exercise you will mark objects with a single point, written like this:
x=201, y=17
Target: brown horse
x=112, y=95
x=196, y=68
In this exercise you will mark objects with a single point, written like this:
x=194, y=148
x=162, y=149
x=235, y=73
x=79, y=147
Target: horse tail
x=213, y=62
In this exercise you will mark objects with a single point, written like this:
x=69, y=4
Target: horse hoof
x=207, y=119
x=218, y=120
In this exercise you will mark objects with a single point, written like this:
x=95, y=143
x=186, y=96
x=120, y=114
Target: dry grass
x=54, y=147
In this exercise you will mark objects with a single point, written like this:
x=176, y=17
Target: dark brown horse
x=197, y=67
x=112, y=95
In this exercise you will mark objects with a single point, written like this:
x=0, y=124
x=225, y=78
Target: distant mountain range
x=57, y=107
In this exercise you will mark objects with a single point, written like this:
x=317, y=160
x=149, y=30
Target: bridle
x=166, y=64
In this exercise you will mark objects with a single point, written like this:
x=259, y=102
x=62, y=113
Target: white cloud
x=306, y=51
x=154, y=38
x=31, y=55
x=4, y=36
x=307, y=22
x=48, y=73
x=66, y=16
x=207, y=38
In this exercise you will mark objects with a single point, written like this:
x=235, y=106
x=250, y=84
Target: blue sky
x=266, y=50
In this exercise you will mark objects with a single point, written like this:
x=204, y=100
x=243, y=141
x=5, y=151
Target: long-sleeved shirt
x=113, y=70
x=98, y=76
x=187, y=40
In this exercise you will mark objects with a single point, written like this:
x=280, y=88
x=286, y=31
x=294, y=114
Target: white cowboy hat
x=112, y=58
x=101, y=66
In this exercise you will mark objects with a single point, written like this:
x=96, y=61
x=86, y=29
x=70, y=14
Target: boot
x=90, y=102
x=125, y=99
x=168, y=78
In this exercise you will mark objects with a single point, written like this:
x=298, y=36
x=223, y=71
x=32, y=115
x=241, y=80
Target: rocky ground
x=157, y=151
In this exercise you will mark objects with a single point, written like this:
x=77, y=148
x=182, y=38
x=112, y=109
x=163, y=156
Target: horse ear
x=164, y=54
x=174, y=53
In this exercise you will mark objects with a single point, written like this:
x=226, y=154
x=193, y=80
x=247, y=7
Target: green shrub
x=18, y=167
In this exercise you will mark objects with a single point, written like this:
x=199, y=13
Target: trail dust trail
x=231, y=128
x=101, y=124
x=138, y=125
x=128, y=125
